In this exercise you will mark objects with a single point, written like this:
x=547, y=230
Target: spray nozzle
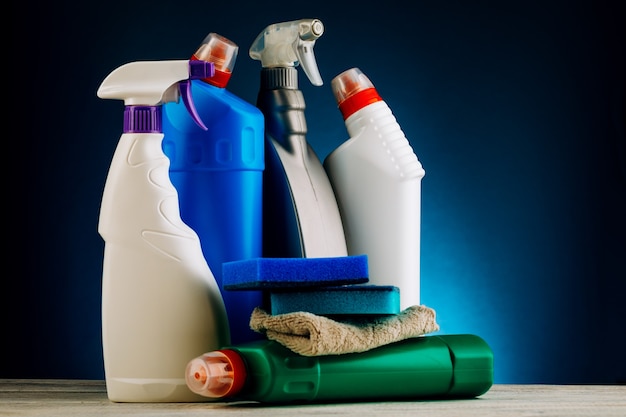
x=290, y=44
x=154, y=83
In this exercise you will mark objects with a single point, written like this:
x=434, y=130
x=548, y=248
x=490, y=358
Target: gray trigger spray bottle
x=300, y=212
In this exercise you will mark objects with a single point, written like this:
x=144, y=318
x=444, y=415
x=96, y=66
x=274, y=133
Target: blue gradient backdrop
x=515, y=109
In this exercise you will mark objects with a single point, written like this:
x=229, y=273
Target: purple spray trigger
x=197, y=70
x=185, y=92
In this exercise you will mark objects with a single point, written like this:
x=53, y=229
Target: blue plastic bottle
x=218, y=174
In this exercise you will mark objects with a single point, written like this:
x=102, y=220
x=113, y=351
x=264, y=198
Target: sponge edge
x=289, y=273
x=369, y=300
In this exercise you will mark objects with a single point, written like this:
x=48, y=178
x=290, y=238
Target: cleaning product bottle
x=218, y=173
x=377, y=180
x=161, y=305
x=452, y=366
x=300, y=213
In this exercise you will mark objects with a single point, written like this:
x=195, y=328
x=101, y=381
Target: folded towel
x=312, y=335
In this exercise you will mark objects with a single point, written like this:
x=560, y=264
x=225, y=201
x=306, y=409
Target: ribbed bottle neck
x=142, y=119
x=279, y=77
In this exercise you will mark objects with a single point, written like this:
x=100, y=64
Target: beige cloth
x=311, y=335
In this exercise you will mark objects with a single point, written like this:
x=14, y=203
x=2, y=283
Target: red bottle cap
x=216, y=374
x=222, y=53
x=353, y=91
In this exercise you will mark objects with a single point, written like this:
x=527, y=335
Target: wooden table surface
x=67, y=398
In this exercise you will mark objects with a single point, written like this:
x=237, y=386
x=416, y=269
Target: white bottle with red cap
x=376, y=177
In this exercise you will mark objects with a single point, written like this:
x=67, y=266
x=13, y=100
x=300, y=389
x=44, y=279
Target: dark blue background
x=515, y=109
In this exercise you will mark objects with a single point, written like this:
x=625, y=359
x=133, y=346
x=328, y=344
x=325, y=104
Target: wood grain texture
x=68, y=398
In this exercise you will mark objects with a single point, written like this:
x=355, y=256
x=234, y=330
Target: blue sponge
x=344, y=300
x=289, y=273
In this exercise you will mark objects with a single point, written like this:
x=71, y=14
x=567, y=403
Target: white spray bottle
x=377, y=179
x=161, y=305
x=300, y=213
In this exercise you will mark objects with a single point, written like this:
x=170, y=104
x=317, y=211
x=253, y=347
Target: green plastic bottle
x=452, y=366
